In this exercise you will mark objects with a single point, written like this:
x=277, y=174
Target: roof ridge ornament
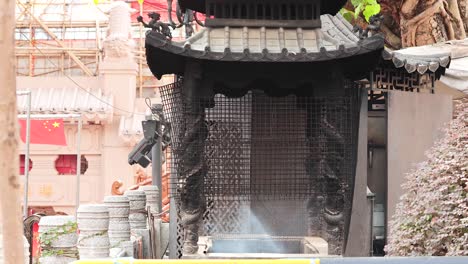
x=375, y=22
x=156, y=25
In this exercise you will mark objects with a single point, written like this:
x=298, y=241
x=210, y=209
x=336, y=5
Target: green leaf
x=347, y=14
x=371, y=10
x=371, y=2
x=355, y=3
x=358, y=10
x=428, y=218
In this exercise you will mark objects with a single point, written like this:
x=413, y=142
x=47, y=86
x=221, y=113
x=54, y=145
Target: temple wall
x=414, y=123
x=48, y=188
x=102, y=145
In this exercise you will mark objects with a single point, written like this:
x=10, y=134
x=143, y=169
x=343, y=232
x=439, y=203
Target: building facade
x=84, y=61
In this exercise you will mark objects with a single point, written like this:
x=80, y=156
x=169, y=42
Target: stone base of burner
x=259, y=246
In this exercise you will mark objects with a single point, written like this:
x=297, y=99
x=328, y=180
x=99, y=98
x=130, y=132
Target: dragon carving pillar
x=327, y=165
x=190, y=152
x=331, y=168
x=325, y=208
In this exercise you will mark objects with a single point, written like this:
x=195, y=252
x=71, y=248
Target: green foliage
x=368, y=8
x=47, y=238
x=60, y=252
x=50, y=253
x=371, y=10
x=347, y=14
x=102, y=233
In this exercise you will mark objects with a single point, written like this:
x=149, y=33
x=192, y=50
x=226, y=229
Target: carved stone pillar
x=118, y=77
x=118, y=42
x=118, y=70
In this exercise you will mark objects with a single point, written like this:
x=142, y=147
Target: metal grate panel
x=258, y=148
x=269, y=148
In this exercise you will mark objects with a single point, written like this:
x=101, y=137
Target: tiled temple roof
x=449, y=59
x=130, y=128
x=456, y=76
x=335, y=40
x=420, y=59
x=93, y=105
x=271, y=44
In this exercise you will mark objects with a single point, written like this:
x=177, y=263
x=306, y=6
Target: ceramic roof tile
x=334, y=40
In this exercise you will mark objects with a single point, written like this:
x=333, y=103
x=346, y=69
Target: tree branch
x=391, y=39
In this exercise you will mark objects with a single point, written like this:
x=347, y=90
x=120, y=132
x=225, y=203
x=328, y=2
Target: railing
x=291, y=13
x=264, y=10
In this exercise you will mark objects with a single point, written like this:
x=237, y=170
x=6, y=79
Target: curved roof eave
x=334, y=41
x=174, y=57
x=416, y=62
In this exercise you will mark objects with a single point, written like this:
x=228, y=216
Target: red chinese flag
x=49, y=132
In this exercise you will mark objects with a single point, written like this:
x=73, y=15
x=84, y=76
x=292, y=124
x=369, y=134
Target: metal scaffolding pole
x=173, y=254
x=157, y=155
x=26, y=155
x=156, y=170
x=78, y=163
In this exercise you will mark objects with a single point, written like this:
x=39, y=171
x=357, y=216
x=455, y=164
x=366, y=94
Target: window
x=22, y=164
x=66, y=164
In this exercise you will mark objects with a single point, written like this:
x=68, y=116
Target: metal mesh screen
x=260, y=147
x=271, y=158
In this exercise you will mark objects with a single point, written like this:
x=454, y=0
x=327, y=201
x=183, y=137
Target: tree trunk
x=453, y=9
x=423, y=22
x=463, y=4
x=391, y=24
x=9, y=182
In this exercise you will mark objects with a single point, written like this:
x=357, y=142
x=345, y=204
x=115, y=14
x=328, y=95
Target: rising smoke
x=253, y=238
